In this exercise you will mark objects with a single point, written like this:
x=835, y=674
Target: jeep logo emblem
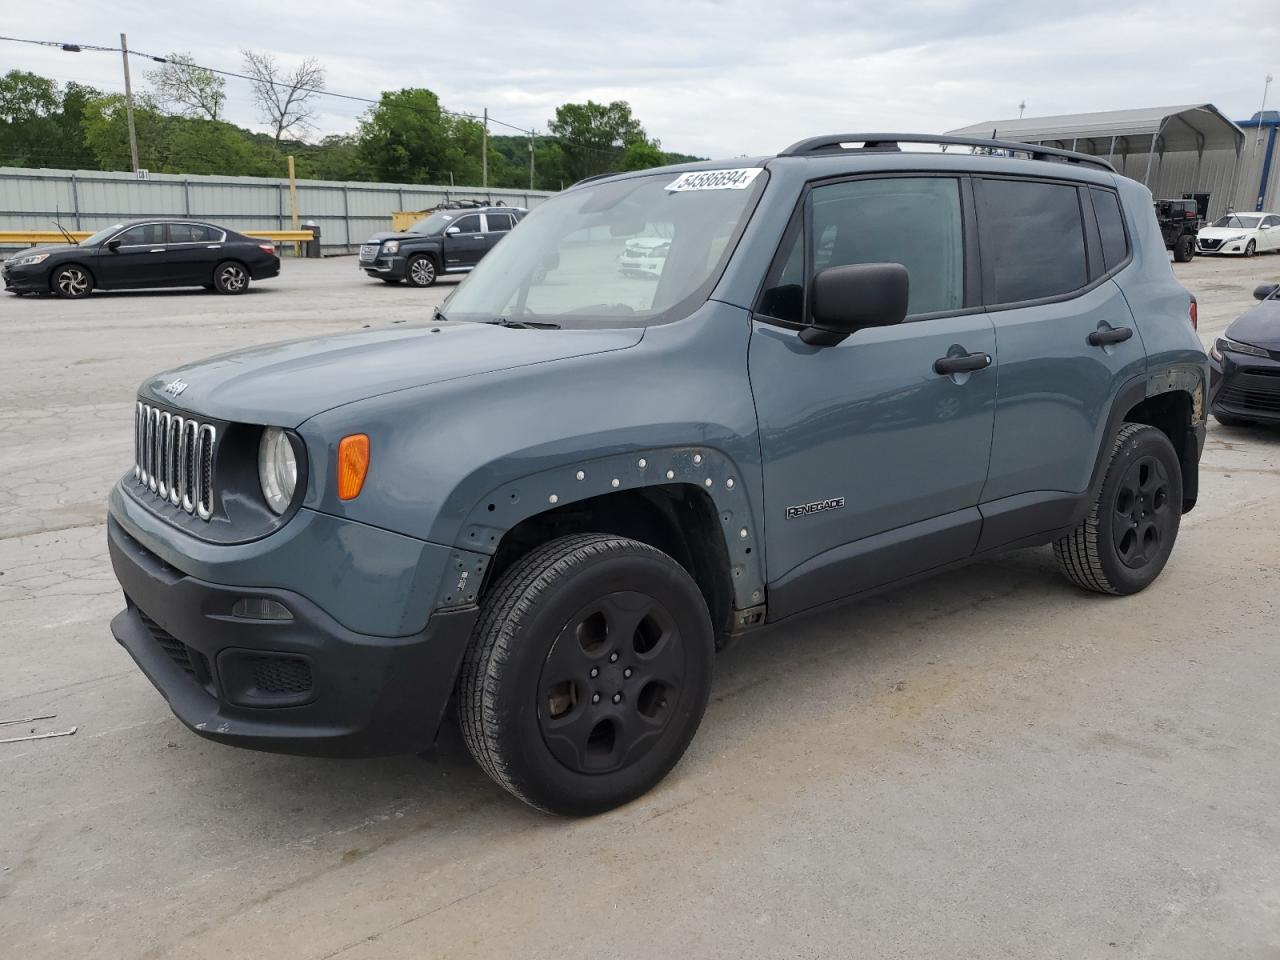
x=174, y=388
x=804, y=509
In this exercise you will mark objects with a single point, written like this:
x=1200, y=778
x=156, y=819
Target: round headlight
x=277, y=469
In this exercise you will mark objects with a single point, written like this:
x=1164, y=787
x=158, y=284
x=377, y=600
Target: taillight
x=267, y=248
x=1195, y=316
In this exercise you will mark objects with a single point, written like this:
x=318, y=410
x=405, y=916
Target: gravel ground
x=989, y=764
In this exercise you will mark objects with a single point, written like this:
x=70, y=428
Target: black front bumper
x=34, y=279
x=385, y=267
x=1244, y=387
x=306, y=685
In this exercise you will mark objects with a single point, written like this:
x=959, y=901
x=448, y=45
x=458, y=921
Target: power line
x=318, y=91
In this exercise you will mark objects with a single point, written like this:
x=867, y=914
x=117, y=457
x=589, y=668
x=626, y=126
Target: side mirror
x=452, y=231
x=113, y=244
x=857, y=295
x=1264, y=291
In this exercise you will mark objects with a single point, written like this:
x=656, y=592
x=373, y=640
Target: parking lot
x=987, y=764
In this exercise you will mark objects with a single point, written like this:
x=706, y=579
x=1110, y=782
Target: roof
x=1185, y=127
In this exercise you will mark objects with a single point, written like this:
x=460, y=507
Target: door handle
x=1100, y=338
x=157, y=250
x=969, y=362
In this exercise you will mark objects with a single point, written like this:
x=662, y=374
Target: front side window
x=914, y=221
x=143, y=235
x=1032, y=238
x=628, y=252
x=469, y=224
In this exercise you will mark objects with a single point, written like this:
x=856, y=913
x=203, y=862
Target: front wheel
x=1125, y=541
x=230, y=278
x=72, y=282
x=587, y=675
x=420, y=271
x=1250, y=248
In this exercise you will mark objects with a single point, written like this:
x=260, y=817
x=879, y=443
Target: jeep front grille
x=173, y=458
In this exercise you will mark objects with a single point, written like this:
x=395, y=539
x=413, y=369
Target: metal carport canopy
x=1195, y=126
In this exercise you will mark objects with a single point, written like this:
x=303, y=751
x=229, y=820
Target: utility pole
x=1021, y=107
x=530, y=159
x=128, y=103
x=484, y=151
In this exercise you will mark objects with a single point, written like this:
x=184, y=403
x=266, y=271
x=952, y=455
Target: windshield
x=434, y=223
x=623, y=253
x=102, y=235
x=1239, y=222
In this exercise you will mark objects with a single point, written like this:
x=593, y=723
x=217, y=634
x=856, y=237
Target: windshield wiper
x=521, y=324
x=70, y=239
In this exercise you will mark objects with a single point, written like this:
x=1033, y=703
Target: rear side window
x=1032, y=239
x=189, y=233
x=1115, y=246
x=498, y=222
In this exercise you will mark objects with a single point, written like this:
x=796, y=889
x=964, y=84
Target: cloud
x=717, y=78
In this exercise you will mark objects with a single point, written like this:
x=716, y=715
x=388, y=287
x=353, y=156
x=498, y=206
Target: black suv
x=1179, y=222
x=452, y=239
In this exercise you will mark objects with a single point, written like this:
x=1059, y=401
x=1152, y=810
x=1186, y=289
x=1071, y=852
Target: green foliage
x=408, y=137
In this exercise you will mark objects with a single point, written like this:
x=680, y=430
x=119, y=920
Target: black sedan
x=144, y=253
x=1244, y=384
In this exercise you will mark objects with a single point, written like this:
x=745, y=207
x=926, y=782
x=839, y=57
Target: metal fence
x=347, y=212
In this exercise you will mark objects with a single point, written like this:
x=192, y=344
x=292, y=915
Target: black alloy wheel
x=1142, y=517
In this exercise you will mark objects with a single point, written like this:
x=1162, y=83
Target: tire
x=71, y=281
x=545, y=642
x=231, y=277
x=1116, y=549
x=420, y=271
x=1184, y=249
x=1232, y=421
x=1250, y=248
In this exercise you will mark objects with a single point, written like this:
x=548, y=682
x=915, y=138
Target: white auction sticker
x=715, y=180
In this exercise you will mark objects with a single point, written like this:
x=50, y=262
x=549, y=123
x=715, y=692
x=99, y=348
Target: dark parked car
x=1179, y=222
x=1244, y=364
x=144, y=253
x=451, y=240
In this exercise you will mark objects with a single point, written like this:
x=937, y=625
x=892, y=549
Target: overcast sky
x=706, y=77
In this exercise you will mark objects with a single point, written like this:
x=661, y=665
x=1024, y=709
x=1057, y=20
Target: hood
x=284, y=384
x=43, y=248
x=392, y=235
x=1222, y=233
x=1259, y=326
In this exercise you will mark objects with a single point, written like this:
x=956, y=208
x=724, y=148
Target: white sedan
x=1240, y=233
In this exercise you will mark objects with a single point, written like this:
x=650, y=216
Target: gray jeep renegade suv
x=858, y=365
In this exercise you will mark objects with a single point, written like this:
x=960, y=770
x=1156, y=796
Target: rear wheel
x=1184, y=249
x=1125, y=541
x=71, y=282
x=230, y=277
x=587, y=675
x=420, y=271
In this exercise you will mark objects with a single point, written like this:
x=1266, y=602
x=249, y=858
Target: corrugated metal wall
x=346, y=212
x=1254, y=165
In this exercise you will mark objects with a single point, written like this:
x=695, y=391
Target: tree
x=196, y=92
x=26, y=96
x=286, y=98
x=642, y=154
x=409, y=138
x=593, y=136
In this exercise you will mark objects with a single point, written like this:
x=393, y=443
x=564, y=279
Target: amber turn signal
x=353, y=464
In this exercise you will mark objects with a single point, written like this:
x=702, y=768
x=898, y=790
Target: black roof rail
x=889, y=142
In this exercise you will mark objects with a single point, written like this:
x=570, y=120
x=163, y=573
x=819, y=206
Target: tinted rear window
x=1106, y=206
x=1032, y=239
